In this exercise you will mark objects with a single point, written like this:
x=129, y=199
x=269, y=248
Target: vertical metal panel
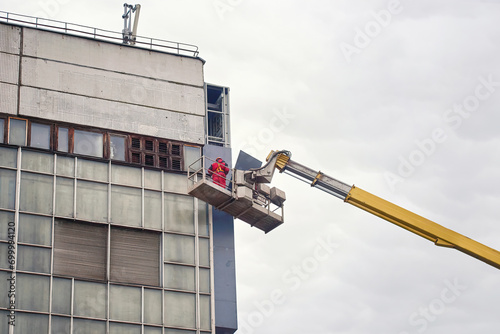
x=80, y=250
x=224, y=280
x=197, y=264
x=135, y=256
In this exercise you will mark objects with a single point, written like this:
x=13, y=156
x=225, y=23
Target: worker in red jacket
x=218, y=170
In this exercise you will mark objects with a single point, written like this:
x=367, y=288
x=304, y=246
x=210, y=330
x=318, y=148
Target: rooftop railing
x=99, y=34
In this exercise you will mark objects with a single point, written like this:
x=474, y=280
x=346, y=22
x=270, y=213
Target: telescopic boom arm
x=408, y=220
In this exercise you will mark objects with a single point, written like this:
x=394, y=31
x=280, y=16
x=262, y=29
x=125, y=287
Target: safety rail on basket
x=234, y=192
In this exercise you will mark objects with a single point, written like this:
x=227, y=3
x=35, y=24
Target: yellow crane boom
x=362, y=199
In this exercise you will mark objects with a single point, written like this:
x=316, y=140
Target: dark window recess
x=163, y=162
x=136, y=143
x=176, y=149
x=176, y=164
x=149, y=145
x=136, y=158
x=149, y=160
x=163, y=148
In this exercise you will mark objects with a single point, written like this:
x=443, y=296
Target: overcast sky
x=401, y=98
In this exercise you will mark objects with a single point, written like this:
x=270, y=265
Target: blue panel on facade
x=224, y=265
x=246, y=161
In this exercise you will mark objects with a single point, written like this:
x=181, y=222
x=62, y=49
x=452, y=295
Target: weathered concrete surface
x=98, y=84
x=120, y=87
x=107, y=114
x=10, y=41
x=8, y=98
x=9, y=68
x=112, y=57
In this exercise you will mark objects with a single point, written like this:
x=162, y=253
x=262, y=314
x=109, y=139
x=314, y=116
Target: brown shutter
x=135, y=256
x=80, y=250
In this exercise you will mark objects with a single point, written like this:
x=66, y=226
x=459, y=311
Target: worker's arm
x=408, y=220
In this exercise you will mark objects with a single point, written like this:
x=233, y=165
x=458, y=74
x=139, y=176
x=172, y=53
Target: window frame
x=51, y=134
x=108, y=146
x=161, y=153
x=26, y=131
x=5, y=122
x=103, y=148
x=140, y=150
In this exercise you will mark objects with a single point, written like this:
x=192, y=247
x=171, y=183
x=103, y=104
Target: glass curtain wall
x=101, y=248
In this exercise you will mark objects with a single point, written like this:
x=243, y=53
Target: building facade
x=97, y=232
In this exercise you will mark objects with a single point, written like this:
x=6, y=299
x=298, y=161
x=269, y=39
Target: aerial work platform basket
x=259, y=206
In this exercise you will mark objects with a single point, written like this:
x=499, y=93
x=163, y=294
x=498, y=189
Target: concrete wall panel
x=113, y=86
x=8, y=98
x=10, y=40
x=117, y=116
x=113, y=57
x=9, y=68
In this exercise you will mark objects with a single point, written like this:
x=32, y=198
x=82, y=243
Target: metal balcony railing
x=98, y=34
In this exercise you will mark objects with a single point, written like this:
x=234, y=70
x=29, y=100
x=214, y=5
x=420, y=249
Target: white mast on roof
x=130, y=33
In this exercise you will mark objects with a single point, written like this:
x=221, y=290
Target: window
x=179, y=214
x=37, y=161
x=8, y=186
x=40, y=135
x=88, y=326
x=36, y=193
x=152, y=313
x=136, y=149
x=179, y=277
x=126, y=205
x=155, y=153
x=17, y=131
x=36, y=230
x=180, y=308
x=36, y=259
x=64, y=196
x=152, y=209
x=88, y=143
x=89, y=301
x=31, y=323
x=192, y=154
x=61, y=296
x=2, y=129
x=62, y=139
x=179, y=249
x=117, y=147
x=61, y=324
x=32, y=293
x=92, y=201
x=217, y=119
x=125, y=303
